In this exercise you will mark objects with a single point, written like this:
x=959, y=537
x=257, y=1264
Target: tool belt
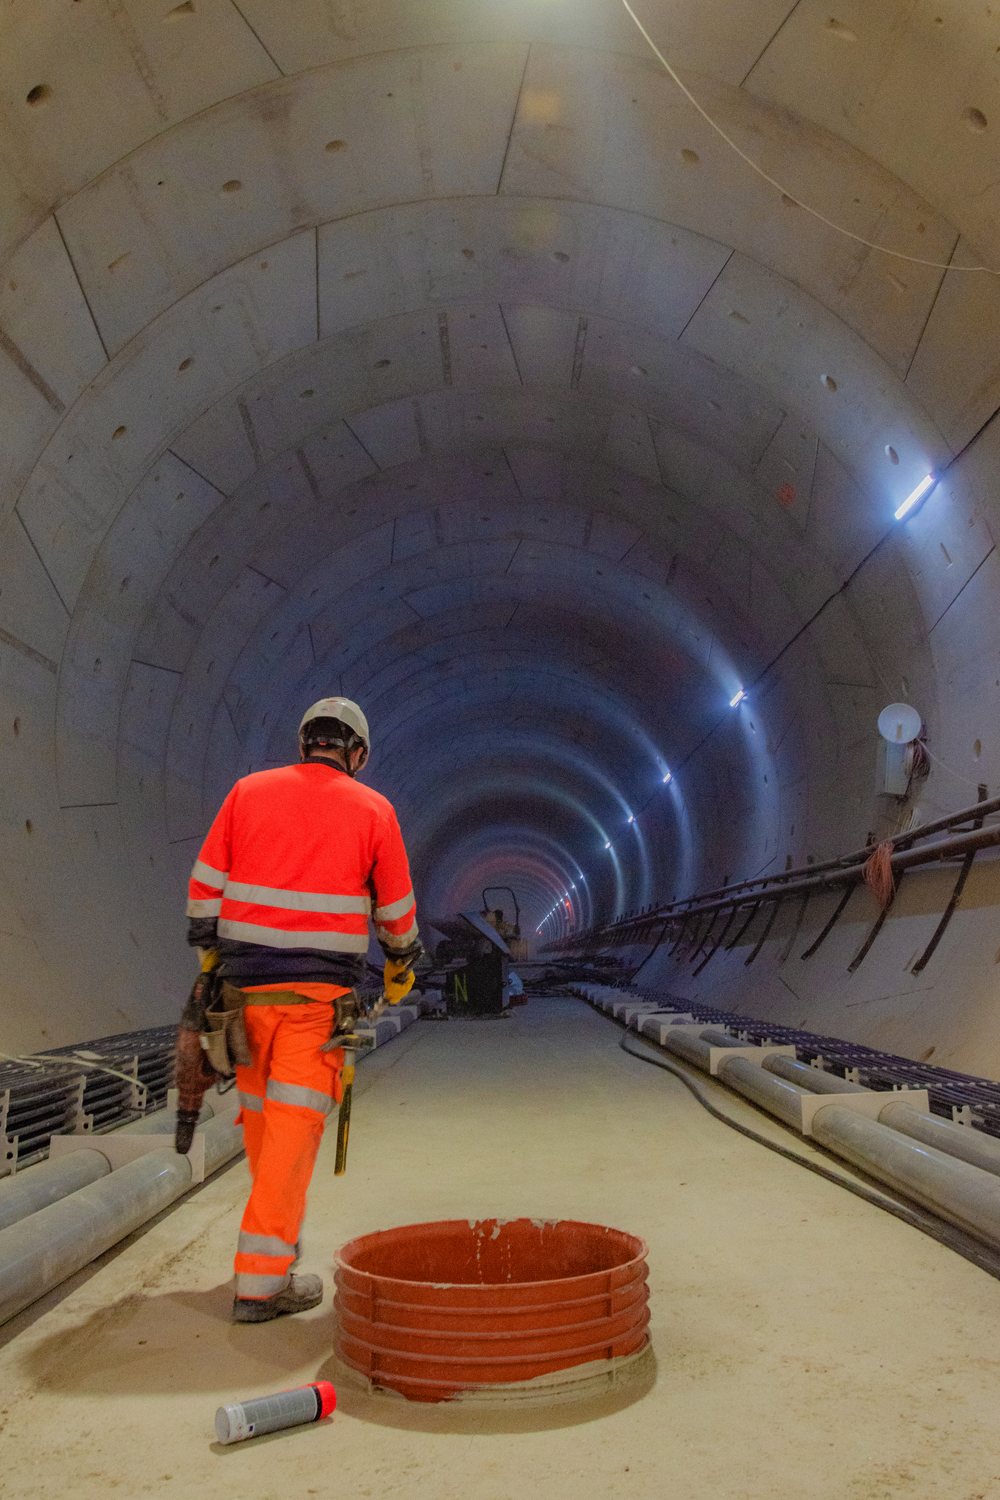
x=224, y=1036
x=345, y=1007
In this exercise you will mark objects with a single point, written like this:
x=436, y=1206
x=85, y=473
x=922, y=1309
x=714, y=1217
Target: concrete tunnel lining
x=626, y=339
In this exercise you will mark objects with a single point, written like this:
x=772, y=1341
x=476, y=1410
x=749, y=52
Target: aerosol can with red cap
x=247, y=1419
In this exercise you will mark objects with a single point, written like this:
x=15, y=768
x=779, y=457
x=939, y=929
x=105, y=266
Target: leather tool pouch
x=224, y=1038
x=346, y=1011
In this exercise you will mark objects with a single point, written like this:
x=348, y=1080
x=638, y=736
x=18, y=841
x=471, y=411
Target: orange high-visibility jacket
x=296, y=861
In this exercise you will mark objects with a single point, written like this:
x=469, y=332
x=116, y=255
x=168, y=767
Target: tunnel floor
x=806, y=1343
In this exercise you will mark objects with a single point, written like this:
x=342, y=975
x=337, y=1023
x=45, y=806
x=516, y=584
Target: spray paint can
x=247, y=1419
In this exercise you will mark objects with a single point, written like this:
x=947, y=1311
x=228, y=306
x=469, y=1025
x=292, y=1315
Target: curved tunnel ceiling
x=442, y=356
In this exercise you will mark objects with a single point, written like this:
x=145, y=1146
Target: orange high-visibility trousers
x=285, y=1097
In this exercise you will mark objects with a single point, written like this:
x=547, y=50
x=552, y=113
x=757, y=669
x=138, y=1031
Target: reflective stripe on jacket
x=300, y=857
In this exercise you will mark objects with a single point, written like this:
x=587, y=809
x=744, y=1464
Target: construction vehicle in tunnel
x=471, y=965
x=509, y=931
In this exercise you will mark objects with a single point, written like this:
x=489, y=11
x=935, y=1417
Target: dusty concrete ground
x=807, y=1344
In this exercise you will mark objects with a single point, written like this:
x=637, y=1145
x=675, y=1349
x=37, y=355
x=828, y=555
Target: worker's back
x=305, y=827
x=293, y=866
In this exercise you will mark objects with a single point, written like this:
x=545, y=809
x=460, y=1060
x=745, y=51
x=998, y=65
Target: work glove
x=208, y=958
x=398, y=978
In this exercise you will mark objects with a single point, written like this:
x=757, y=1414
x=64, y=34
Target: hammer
x=351, y=1044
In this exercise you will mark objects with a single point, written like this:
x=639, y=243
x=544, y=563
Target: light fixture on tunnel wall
x=738, y=699
x=631, y=817
x=668, y=777
x=607, y=846
x=899, y=725
x=923, y=488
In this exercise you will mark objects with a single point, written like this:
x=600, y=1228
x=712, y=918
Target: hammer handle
x=344, y=1120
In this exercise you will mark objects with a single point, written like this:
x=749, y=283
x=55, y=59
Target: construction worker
x=280, y=896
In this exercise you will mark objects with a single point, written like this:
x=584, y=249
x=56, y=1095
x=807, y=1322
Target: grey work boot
x=301, y=1293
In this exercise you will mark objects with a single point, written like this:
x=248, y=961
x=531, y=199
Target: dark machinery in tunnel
x=509, y=931
x=471, y=964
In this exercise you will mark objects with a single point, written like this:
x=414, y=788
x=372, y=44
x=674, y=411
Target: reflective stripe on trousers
x=294, y=1093
x=265, y=1244
x=286, y=1095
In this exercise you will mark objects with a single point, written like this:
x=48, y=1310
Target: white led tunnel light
x=735, y=702
x=924, y=487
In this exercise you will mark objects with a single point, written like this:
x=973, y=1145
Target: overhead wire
x=951, y=771
x=859, y=239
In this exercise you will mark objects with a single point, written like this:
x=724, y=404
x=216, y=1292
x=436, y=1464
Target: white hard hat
x=343, y=710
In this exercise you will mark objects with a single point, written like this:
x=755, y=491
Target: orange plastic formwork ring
x=531, y=1342
x=432, y=1310
x=489, y=1319
x=446, y=1379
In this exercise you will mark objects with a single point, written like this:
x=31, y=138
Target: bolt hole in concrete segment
x=801, y=1336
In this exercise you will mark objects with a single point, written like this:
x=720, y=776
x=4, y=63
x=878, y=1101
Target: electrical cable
x=937, y=1229
x=914, y=260
x=659, y=940
x=945, y=767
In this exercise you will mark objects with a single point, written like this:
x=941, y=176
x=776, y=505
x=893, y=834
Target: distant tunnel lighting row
x=563, y=901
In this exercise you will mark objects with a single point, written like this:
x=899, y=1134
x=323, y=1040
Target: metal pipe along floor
x=806, y=1344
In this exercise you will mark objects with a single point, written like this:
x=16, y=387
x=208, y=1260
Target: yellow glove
x=398, y=977
x=209, y=959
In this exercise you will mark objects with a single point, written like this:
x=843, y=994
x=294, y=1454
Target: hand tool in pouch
x=351, y=1045
x=211, y=1041
x=347, y=1010
x=194, y=1073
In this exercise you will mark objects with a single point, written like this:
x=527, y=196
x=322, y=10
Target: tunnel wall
x=947, y=1013
x=447, y=360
